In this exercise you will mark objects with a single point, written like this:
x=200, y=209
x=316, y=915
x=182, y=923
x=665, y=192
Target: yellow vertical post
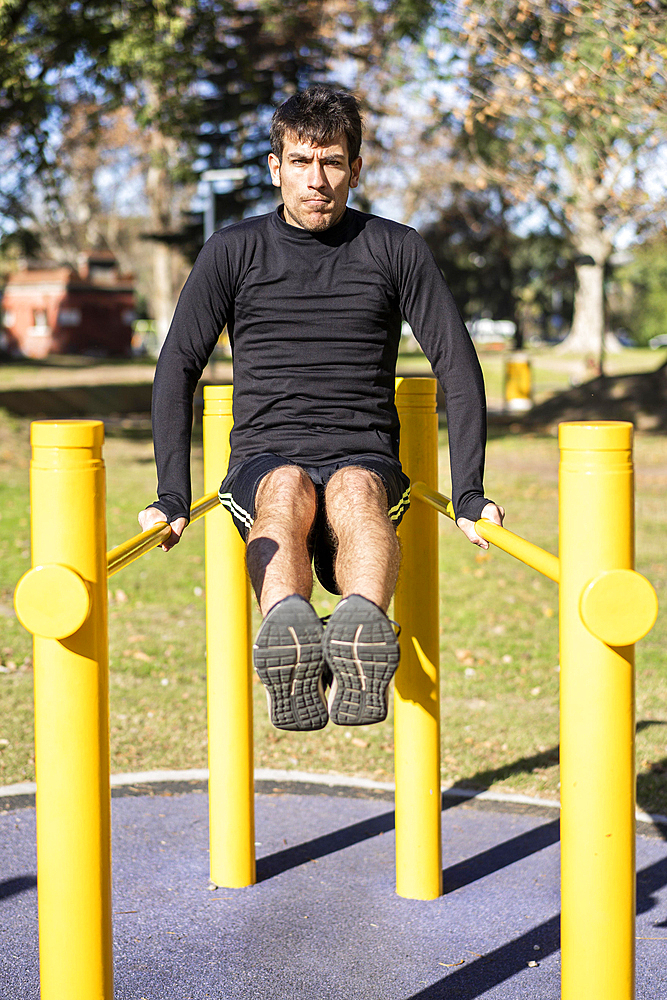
x=596, y=532
x=67, y=498
x=518, y=389
x=229, y=676
x=417, y=690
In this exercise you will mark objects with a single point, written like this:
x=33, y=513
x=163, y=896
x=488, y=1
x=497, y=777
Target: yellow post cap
x=67, y=433
x=603, y=435
x=218, y=399
x=416, y=393
x=52, y=601
x=416, y=386
x=619, y=607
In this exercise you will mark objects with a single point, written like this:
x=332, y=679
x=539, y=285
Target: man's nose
x=316, y=175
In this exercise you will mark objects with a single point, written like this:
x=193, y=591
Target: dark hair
x=318, y=115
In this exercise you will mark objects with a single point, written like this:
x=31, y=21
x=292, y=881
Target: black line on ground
x=500, y=856
x=12, y=886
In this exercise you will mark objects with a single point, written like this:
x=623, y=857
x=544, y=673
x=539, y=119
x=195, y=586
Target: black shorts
x=239, y=487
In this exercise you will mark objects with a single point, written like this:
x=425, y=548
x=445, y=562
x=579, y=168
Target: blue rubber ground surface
x=324, y=921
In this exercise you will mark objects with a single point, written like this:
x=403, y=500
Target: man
x=313, y=297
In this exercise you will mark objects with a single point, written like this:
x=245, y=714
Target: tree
x=492, y=271
x=643, y=285
x=198, y=77
x=200, y=80
x=561, y=105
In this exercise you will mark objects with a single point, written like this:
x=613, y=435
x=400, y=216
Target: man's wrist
x=472, y=507
x=170, y=512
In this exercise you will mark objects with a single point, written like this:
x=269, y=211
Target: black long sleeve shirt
x=314, y=321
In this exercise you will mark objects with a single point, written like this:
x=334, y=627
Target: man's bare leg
x=359, y=642
x=368, y=554
x=287, y=651
x=277, y=553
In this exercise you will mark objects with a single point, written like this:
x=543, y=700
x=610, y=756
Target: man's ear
x=274, y=167
x=355, y=170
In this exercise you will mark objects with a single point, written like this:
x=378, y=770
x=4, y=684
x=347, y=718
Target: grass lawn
x=499, y=649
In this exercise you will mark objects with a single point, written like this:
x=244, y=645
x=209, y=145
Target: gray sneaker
x=362, y=650
x=288, y=659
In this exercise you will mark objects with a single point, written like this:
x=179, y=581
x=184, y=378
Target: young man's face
x=314, y=182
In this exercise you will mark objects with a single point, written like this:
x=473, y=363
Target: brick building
x=58, y=310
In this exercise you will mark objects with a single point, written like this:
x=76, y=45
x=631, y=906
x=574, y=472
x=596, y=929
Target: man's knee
x=354, y=488
x=286, y=490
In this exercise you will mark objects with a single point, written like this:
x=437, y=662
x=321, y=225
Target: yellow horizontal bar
x=129, y=551
x=541, y=560
x=202, y=506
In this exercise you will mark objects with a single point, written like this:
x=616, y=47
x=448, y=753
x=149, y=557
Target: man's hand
x=152, y=516
x=490, y=513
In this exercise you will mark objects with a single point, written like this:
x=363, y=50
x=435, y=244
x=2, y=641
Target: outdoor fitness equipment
x=605, y=607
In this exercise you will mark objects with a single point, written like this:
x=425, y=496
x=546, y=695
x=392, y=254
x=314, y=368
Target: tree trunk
x=160, y=194
x=163, y=291
x=593, y=248
x=587, y=330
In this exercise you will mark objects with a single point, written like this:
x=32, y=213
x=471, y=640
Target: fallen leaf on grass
x=139, y=655
x=356, y=742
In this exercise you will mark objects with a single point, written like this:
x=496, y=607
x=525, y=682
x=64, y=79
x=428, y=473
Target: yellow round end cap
x=52, y=601
x=415, y=386
x=603, y=435
x=416, y=393
x=218, y=400
x=619, y=607
x=67, y=433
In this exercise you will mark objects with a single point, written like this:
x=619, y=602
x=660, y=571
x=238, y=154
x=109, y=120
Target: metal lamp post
x=212, y=177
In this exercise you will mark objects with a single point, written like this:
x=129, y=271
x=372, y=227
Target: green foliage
x=203, y=75
x=201, y=79
x=646, y=316
x=494, y=272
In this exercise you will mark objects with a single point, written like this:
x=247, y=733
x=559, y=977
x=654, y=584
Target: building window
x=39, y=317
x=69, y=317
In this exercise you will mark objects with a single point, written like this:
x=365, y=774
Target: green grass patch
x=498, y=628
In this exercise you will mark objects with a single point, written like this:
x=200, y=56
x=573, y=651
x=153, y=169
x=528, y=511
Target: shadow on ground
x=13, y=886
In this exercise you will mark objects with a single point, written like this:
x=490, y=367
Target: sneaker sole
x=362, y=650
x=287, y=655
